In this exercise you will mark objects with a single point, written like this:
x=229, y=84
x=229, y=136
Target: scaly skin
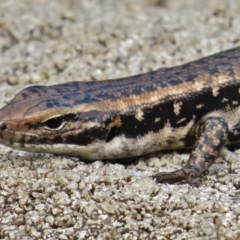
x=195, y=105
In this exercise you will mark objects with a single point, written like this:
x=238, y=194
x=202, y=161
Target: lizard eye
x=54, y=123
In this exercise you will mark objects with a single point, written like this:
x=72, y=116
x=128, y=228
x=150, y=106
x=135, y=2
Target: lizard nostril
x=3, y=126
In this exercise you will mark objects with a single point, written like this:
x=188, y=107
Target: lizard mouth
x=10, y=137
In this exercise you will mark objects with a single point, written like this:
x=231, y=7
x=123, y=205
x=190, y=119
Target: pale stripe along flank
x=195, y=105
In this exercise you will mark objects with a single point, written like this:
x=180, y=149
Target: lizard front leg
x=212, y=135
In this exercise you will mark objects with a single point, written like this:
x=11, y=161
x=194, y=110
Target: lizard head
x=53, y=119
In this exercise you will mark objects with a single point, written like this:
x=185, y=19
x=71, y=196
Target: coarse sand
x=51, y=197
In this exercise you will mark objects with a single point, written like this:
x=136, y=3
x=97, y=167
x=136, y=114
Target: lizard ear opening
x=112, y=133
x=114, y=128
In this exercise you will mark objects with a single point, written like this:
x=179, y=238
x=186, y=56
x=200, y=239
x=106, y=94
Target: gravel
x=52, y=197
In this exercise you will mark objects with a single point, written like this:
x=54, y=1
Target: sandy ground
x=49, y=197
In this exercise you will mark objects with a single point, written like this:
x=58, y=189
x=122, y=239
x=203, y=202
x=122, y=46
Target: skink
x=195, y=105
